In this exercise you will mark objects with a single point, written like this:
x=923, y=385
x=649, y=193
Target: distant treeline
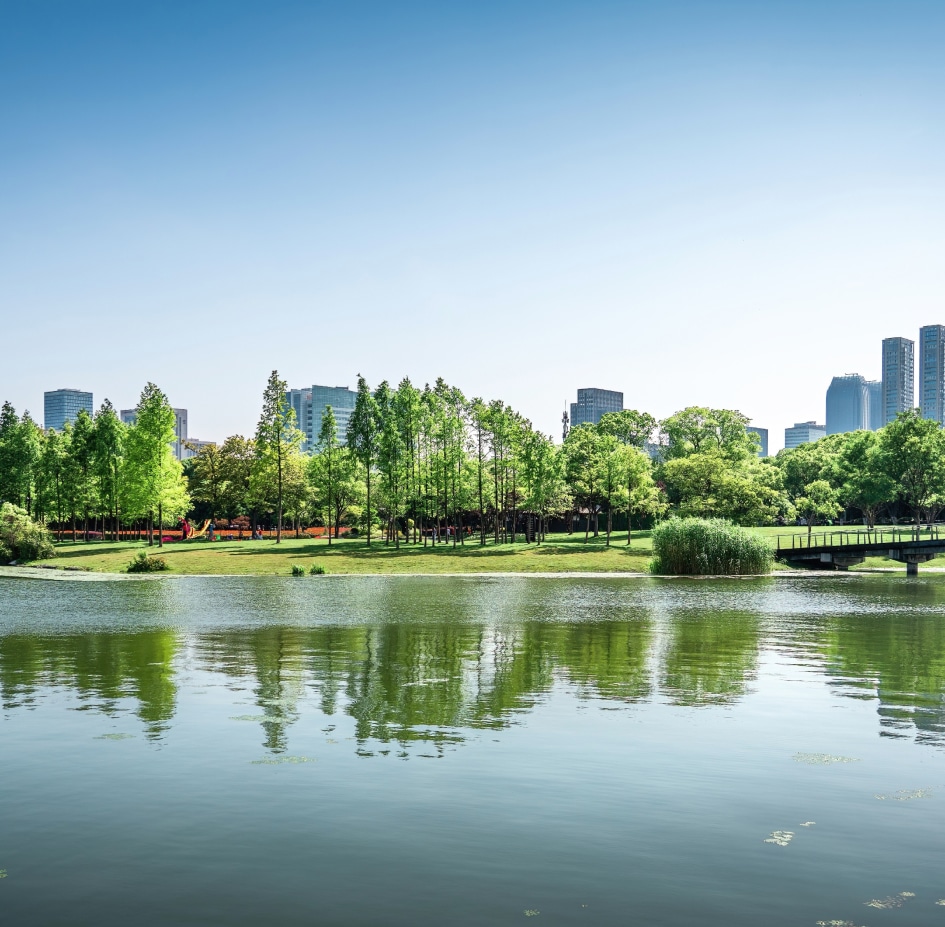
x=431, y=465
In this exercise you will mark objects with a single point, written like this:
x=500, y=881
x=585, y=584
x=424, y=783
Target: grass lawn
x=559, y=554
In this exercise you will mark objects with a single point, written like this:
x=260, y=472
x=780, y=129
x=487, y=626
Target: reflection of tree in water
x=899, y=658
x=711, y=657
x=427, y=684
x=100, y=666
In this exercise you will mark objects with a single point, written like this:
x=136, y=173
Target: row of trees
x=98, y=471
x=709, y=467
x=420, y=465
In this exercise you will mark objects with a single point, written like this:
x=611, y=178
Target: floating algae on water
x=823, y=759
x=808, y=824
x=890, y=901
x=905, y=795
x=941, y=901
x=115, y=737
x=248, y=718
x=835, y=924
x=780, y=837
x=284, y=760
x=3, y=873
x=531, y=912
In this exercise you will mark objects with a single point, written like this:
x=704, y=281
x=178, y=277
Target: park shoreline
x=61, y=573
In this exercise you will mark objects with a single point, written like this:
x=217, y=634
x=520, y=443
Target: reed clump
x=708, y=547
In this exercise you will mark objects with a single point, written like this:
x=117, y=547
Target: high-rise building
x=874, y=390
x=932, y=372
x=129, y=416
x=803, y=433
x=63, y=405
x=592, y=403
x=762, y=439
x=301, y=402
x=848, y=404
x=898, y=377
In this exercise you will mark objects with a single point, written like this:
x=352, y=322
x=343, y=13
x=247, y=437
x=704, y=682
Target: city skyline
x=702, y=202
x=870, y=407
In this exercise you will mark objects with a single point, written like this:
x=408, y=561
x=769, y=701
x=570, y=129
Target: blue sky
x=695, y=203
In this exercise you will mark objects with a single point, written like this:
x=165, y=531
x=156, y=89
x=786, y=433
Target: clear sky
x=714, y=203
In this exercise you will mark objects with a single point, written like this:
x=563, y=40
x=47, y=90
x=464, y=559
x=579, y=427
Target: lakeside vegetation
x=560, y=553
x=428, y=469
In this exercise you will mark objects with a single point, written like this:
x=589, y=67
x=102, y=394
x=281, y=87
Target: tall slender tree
x=155, y=478
x=363, y=434
x=108, y=453
x=277, y=438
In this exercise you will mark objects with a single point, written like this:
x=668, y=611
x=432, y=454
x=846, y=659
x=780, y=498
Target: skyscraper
x=898, y=377
x=803, y=433
x=874, y=390
x=932, y=372
x=63, y=405
x=592, y=403
x=762, y=439
x=301, y=402
x=848, y=404
x=129, y=416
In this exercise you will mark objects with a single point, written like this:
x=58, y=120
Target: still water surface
x=472, y=751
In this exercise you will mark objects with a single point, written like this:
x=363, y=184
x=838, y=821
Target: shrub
x=707, y=547
x=353, y=533
x=21, y=538
x=298, y=571
x=145, y=564
x=317, y=570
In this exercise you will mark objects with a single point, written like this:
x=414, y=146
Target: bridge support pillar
x=912, y=560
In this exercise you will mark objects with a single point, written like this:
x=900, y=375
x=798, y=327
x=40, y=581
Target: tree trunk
x=161, y=524
x=150, y=529
x=279, y=512
x=609, y=523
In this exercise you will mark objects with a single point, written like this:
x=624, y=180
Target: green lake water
x=472, y=751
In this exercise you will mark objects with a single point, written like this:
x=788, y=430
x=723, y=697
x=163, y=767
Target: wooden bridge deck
x=842, y=549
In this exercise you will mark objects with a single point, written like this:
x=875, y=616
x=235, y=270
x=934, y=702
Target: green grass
x=560, y=554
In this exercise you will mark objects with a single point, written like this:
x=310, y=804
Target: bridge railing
x=860, y=536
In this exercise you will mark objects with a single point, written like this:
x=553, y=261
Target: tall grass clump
x=708, y=547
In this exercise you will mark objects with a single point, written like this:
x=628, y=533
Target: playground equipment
x=198, y=532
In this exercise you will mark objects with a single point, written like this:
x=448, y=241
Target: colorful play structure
x=189, y=531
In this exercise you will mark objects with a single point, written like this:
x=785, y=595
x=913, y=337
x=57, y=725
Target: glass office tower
x=898, y=377
x=848, y=404
x=592, y=403
x=63, y=405
x=932, y=372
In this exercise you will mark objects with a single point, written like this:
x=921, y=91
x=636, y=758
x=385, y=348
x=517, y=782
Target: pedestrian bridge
x=839, y=550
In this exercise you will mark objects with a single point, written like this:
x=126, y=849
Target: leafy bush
x=317, y=570
x=21, y=538
x=708, y=547
x=353, y=533
x=145, y=564
x=298, y=571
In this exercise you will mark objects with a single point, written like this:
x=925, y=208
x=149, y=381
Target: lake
x=473, y=751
